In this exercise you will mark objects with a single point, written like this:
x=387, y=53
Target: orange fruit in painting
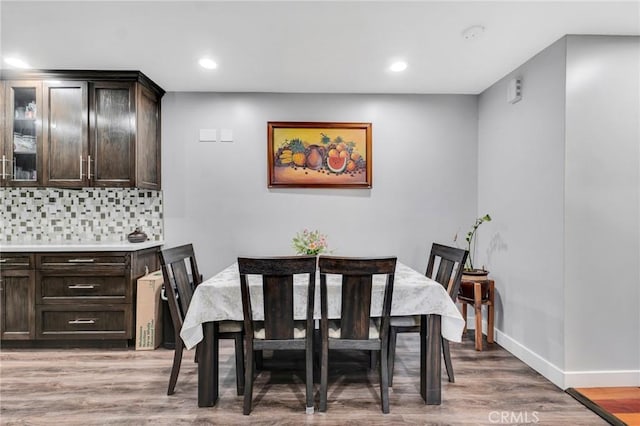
x=334, y=153
x=299, y=159
x=355, y=156
x=351, y=166
x=344, y=154
x=341, y=146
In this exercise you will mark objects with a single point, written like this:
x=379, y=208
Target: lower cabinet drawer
x=10, y=261
x=84, y=289
x=84, y=322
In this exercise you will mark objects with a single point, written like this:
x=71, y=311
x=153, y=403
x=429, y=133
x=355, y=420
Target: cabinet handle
x=5, y=160
x=83, y=321
x=83, y=286
x=88, y=167
x=3, y=260
x=81, y=260
x=81, y=167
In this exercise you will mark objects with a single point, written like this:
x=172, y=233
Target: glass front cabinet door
x=22, y=151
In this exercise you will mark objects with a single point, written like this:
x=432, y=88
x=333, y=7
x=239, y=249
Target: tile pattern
x=78, y=215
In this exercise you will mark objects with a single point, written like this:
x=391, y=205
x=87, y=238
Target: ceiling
x=302, y=46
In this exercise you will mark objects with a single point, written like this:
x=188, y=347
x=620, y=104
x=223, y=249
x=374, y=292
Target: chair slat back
x=357, y=280
x=277, y=293
x=356, y=307
x=179, y=281
x=449, y=257
x=277, y=288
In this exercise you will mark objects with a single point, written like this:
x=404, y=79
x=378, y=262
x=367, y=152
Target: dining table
x=219, y=299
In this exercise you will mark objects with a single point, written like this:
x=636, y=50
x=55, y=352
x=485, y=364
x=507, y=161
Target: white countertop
x=76, y=246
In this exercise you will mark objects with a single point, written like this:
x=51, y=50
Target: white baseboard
x=532, y=359
x=604, y=378
x=565, y=379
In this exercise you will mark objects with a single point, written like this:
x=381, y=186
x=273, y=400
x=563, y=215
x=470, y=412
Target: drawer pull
x=83, y=321
x=81, y=260
x=3, y=260
x=83, y=286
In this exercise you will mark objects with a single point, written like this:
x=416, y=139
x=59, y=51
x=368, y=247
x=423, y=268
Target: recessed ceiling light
x=398, y=66
x=473, y=32
x=15, y=62
x=207, y=63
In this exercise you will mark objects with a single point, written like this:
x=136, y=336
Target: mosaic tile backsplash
x=78, y=215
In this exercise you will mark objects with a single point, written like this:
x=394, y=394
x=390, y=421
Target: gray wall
x=216, y=195
x=560, y=173
x=520, y=182
x=602, y=272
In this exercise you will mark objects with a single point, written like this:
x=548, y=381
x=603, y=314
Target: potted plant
x=471, y=272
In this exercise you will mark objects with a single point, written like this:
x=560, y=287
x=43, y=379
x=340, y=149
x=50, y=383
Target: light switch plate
x=208, y=135
x=226, y=135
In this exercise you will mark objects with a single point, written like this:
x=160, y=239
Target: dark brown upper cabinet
x=113, y=134
x=65, y=123
x=92, y=128
x=148, y=152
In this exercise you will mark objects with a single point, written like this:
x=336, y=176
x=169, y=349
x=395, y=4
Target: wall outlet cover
x=208, y=135
x=226, y=135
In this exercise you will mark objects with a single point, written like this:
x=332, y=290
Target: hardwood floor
x=623, y=403
x=81, y=386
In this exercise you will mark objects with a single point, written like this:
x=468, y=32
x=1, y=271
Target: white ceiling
x=302, y=46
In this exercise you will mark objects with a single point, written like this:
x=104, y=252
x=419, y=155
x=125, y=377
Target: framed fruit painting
x=319, y=155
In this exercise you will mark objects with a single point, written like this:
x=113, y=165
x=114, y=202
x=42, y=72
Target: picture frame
x=319, y=154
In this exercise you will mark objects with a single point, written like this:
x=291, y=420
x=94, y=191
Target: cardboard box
x=149, y=312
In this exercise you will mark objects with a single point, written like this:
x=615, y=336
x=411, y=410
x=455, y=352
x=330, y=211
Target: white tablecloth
x=218, y=299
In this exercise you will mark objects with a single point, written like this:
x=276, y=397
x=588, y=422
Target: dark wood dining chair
x=279, y=330
x=449, y=258
x=355, y=329
x=181, y=277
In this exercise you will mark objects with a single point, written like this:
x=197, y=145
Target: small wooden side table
x=478, y=293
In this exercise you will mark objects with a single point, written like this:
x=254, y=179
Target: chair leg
x=423, y=356
x=447, y=359
x=259, y=360
x=477, y=306
x=239, y=347
x=317, y=347
x=309, y=374
x=248, y=379
x=324, y=372
x=464, y=316
x=393, y=337
x=384, y=377
x=373, y=359
x=175, y=369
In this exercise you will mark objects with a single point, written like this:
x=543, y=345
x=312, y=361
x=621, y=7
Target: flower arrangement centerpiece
x=310, y=243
